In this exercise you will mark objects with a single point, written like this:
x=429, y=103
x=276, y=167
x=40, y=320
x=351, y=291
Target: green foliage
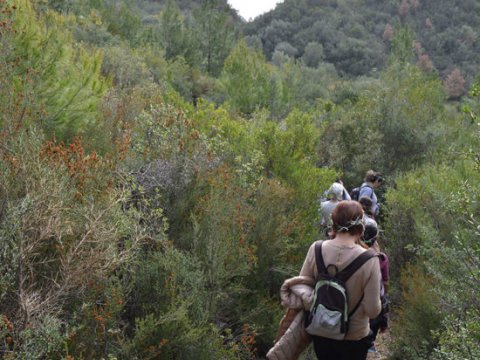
x=126, y=67
x=95, y=328
x=410, y=132
x=402, y=46
x=299, y=86
x=393, y=125
x=166, y=230
x=418, y=317
x=44, y=340
x=433, y=219
x=121, y=18
x=351, y=33
x=428, y=217
x=92, y=30
x=221, y=202
x=169, y=301
x=460, y=338
x=62, y=230
x=247, y=80
x=212, y=37
x=172, y=31
x=314, y=54
x=291, y=154
x=57, y=82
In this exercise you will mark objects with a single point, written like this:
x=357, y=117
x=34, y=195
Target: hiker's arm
x=371, y=301
x=308, y=268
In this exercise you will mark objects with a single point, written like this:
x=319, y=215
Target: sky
x=252, y=8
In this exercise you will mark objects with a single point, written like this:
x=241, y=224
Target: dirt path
x=381, y=344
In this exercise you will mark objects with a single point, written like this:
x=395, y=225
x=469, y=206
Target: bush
x=62, y=231
x=417, y=318
x=433, y=220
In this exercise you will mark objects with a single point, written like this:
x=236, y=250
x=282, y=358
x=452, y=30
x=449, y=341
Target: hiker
x=335, y=194
x=379, y=323
x=363, y=287
x=368, y=218
x=367, y=206
x=372, y=181
x=345, y=194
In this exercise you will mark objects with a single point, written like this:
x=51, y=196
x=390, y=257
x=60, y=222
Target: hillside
x=152, y=8
x=160, y=177
x=356, y=36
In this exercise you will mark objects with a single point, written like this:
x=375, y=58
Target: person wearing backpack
x=372, y=181
x=335, y=193
x=352, y=275
x=326, y=194
x=368, y=218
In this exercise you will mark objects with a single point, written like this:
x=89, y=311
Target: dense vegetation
x=160, y=164
x=355, y=36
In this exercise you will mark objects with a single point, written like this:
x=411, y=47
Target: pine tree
x=59, y=83
x=211, y=36
x=172, y=30
x=247, y=79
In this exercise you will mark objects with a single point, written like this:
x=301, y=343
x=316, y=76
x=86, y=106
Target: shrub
x=432, y=220
x=417, y=318
x=55, y=82
x=62, y=228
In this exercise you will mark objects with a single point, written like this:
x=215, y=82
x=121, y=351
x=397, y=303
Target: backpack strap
x=346, y=273
x=351, y=268
x=364, y=186
x=319, y=258
x=356, y=306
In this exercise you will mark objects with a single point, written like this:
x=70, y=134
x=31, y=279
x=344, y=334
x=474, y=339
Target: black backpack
x=329, y=314
x=355, y=193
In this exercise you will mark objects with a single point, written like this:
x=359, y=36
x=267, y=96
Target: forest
x=161, y=164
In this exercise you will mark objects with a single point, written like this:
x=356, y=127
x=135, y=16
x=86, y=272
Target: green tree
x=402, y=45
x=394, y=125
x=211, y=35
x=58, y=79
x=313, y=54
x=247, y=79
x=122, y=18
x=172, y=31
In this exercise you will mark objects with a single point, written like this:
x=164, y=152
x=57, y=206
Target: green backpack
x=329, y=314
